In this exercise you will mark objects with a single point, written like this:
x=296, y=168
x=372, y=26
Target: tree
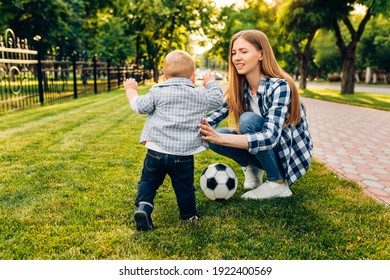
x=111, y=43
x=327, y=56
x=231, y=19
x=161, y=25
x=299, y=21
x=93, y=16
x=374, y=48
x=340, y=14
x=54, y=20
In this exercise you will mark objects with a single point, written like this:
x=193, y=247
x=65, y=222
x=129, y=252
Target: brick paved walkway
x=353, y=141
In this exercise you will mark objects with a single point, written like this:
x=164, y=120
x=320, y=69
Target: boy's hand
x=130, y=84
x=208, y=76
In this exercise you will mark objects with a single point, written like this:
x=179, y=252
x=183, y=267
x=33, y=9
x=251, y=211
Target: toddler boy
x=175, y=107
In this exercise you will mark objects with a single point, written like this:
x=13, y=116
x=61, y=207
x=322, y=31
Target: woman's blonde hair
x=268, y=67
x=178, y=63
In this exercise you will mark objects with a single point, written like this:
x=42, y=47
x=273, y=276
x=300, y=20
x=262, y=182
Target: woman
x=270, y=128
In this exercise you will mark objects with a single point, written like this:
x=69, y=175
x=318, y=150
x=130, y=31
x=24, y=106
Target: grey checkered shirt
x=175, y=108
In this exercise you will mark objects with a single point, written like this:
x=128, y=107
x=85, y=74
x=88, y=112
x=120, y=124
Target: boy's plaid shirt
x=294, y=143
x=175, y=107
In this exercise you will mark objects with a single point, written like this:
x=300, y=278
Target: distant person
x=270, y=130
x=174, y=107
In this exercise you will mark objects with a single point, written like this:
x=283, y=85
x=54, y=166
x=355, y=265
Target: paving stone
x=350, y=170
x=369, y=177
x=374, y=184
x=380, y=171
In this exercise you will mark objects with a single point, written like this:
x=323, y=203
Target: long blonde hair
x=269, y=67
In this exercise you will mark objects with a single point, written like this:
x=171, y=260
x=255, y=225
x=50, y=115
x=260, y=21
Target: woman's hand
x=208, y=133
x=230, y=140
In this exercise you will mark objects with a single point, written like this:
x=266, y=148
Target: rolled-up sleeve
x=214, y=95
x=218, y=115
x=133, y=104
x=145, y=104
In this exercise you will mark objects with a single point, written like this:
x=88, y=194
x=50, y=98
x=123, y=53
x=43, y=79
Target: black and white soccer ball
x=218, y=181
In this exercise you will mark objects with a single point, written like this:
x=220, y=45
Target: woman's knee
x=223, y=130
x=250, y=122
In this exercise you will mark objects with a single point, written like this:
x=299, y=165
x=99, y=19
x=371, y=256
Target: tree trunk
x=156, y=74
x=303, y=58
x=303, y=65
x=348, y=71
x=138, y=50
x=153, y=58
x=348, y=52
x=368, y=75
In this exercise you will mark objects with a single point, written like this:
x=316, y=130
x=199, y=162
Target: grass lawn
x=69, y=176
x=364, y=99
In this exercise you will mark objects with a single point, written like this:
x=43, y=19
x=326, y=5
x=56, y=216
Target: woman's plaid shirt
x=294, y=143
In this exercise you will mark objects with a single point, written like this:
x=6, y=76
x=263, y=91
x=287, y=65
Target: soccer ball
x=218, y=182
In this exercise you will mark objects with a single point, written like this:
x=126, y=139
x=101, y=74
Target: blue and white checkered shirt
x=294, y=143
x=175, y=108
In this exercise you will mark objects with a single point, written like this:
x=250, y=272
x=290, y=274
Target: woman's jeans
x=267, y=160
x=181, y=171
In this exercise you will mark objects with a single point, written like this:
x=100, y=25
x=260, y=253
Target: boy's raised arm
x=130, y=86
x=208, y=76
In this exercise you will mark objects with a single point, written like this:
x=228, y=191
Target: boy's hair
x=178, y=63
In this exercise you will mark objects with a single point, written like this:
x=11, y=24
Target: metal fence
x=26, y=80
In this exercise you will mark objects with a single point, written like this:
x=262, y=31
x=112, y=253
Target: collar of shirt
x=176, y=81
x=252, y=100
x=260, y=89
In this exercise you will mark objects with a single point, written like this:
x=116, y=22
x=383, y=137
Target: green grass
x=364, y=99
x=69, y=176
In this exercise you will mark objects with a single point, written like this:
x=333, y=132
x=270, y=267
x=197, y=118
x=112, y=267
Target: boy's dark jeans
x=181, y=171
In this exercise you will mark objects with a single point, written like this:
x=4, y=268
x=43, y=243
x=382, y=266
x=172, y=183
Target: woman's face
x=245, y=57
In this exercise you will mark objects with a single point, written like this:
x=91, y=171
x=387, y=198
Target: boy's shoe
x=253, y=177
x=269, y=190
x=143, y=217
x=193, y=218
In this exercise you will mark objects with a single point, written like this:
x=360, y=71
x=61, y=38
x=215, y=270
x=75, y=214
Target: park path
x=368, y=88
x=354, y=142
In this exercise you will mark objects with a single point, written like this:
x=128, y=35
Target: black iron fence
x=26, y=80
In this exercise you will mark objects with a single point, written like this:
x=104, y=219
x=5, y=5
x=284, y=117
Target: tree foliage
x=340, y=14
x=327, y=56
x=299, y=21
x=143, y=31
x=373, y=50
x=161, y=25
x=231, y=19
x=53, y=20
x=117, y=29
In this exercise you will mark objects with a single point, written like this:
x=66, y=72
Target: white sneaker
x=253, y=177
x=269, y=190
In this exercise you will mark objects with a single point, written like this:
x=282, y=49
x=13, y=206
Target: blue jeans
x=181, y=171
x=267, y=160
